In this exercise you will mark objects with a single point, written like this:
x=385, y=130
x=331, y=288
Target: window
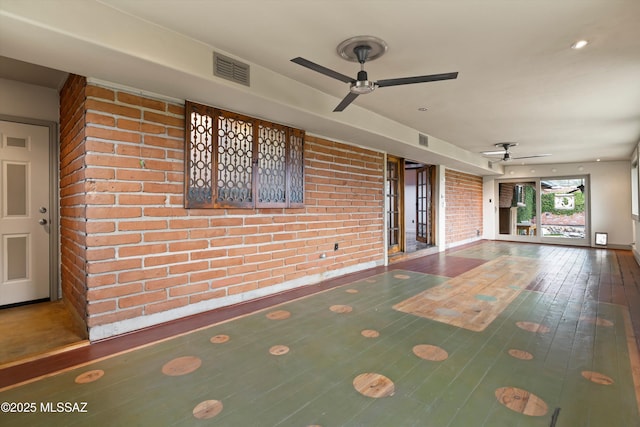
x=635, y=193
x=235, y=161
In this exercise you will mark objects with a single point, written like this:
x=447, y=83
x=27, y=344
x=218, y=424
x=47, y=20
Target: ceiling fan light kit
x=362, y=49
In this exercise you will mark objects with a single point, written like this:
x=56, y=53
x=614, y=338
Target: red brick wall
x=463, y=199
x=72, y=195
x=147, y=254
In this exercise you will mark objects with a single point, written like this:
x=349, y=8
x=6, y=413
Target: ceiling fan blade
x=346, y=101
x=493, y=153
x=322, y=70
x=416, y=79
x=530, y=157
x=579, y=188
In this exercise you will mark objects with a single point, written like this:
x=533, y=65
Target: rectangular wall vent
x=490, y=164
x=230, y=69
x=423, y=140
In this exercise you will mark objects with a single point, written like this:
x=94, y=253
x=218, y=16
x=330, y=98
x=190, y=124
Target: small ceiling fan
x=506, y=154
x=579, y=187
x=362, y=49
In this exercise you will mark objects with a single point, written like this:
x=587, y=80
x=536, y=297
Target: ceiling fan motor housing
x=362, y=86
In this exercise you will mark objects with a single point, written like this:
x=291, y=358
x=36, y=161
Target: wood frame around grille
x=244, y=154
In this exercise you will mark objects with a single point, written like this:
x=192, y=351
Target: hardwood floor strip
x=634, y=354
x=475, y=298
x=581, y=364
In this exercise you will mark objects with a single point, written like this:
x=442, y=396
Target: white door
x=24, y=212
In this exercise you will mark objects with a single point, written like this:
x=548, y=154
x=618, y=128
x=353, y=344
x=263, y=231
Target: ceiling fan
x=362, y=49
x=506, y=154
x=579, y=187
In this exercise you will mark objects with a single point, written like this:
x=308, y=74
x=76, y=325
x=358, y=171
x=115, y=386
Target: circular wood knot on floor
x=374, y=385
x=521, y=401
x=520, y=354
x=599, y=321
x=597, y=377
x=402, y=276
x=341, y=309
x=370, y=333
x=533, y=327
x=89, y=376
x=430, y=352
x=278, y=315
x=352, y=291
x=279, y=350
x=219, y=339
x=207, y=409
x=181, y=366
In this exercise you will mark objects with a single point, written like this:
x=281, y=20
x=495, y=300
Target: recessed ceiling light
x=579, y=44
x=597, y=160
x=422, y=108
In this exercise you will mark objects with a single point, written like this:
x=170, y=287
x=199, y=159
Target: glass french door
x=548, y=210
x=564, y=210
x=394, y=183
x=517, y=210
x=424, y=205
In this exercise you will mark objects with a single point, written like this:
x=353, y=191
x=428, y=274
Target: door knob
x=42, y=222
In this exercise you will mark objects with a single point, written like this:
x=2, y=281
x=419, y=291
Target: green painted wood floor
x=296, y=365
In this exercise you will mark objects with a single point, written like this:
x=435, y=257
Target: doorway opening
x=549, y=210
x=411, y=208
x=563, y=210
x=420, y=206
x=517, y=212
x=33, y=319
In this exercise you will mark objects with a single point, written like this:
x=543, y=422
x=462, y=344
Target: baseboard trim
x=101, y=332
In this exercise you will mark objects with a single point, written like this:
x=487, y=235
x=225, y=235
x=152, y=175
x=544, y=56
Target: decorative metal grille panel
x=200, y=185
x=234, y=161
x=296, y=168
x=272, y=165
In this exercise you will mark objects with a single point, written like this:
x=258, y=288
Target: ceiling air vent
x=423, y=140
x=490, y=164
x=230, y=69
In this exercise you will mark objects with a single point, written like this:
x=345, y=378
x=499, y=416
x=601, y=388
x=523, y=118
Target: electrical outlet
x=335, y=247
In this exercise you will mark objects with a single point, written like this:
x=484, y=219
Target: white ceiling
x=519, y=80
